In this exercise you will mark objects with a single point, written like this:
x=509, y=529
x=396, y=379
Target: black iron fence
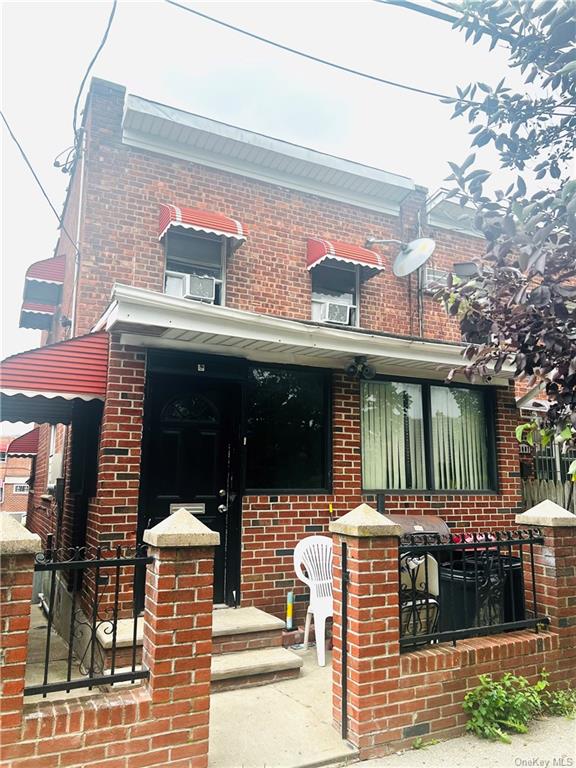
x=91, y=634
x=462, y=585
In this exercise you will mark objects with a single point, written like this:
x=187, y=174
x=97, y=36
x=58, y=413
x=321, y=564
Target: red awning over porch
x=40, y=385
x=25, y=445
x=319, y=251
x=209, y=222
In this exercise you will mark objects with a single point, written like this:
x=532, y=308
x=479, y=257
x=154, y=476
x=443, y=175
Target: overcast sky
x=165, y=54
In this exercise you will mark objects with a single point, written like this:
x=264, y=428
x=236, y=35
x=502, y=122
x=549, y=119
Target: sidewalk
x=551, y=743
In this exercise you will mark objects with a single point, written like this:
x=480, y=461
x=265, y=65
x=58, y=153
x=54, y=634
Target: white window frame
x=221, y=280
x=21, y=489
x=355, y=307
x=3, y=456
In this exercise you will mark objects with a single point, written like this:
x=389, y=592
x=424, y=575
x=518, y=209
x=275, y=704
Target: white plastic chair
x=313, y=566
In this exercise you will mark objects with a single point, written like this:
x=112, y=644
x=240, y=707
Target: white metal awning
x=148, y=319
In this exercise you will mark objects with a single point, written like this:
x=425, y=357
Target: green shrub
x=498, y=707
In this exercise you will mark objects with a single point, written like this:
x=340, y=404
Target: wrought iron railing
x=90, y=606
x=458, y=586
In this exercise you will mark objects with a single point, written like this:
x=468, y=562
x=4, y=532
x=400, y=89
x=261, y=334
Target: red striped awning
x=25, y=445
x=36, y=315
x=76, y=368
x=198, y=220
x=319, y=251
x=47, y=270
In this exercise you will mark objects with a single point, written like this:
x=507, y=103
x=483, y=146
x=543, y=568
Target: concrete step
x=254, y=667
x=244, y=629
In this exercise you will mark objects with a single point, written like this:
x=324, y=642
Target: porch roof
x=25, y=445
x=42, y=384
x=149, y=319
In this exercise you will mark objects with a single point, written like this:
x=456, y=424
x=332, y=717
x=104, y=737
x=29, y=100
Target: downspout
x=78, y=226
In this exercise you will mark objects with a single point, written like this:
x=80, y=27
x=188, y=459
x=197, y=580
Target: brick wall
x=394, y=698
x=162, y=722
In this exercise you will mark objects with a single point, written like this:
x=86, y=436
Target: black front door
x=191, y=459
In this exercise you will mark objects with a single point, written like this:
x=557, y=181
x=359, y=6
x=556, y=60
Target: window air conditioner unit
x=339, y=314
x=54, y=469
x=434, y=279
x=201, y=288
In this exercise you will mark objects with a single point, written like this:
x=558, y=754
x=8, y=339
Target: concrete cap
x=547, y=513
x=15, y=539
x=365, y=521
x=181, y=529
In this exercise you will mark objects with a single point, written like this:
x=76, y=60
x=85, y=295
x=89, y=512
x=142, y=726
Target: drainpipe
x=82, y=150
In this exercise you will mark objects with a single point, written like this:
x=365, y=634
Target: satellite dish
x=413, y=256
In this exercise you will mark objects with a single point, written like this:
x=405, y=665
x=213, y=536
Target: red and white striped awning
x=47, y=271
x=36, y=315
x=25, y=445
x=320, y=250
x=210, y=222
x=41, y=385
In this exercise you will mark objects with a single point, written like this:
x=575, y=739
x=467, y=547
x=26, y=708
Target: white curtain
x=392, y=436
x=459, y=439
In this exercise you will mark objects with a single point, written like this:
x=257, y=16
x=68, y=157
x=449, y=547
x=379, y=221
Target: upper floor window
x=2, y=456
x=195, y=267
x=427, y=437
x=335, y=294
x=21, y=488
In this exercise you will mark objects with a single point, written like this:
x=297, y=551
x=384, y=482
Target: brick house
x=226, y=341
x=17, y=455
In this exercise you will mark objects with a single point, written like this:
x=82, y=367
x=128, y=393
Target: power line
x=92, y=62
x=311, y=57
x=33, y=172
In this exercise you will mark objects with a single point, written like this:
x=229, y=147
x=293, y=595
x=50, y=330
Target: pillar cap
x=547, y=513
x=365, y=521
x=181, y=529
x=15, y=539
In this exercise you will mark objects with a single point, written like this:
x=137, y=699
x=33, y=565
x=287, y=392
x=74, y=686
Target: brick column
x=177, y=643
x=555, y=566
x=373, y=627
x=17, y=549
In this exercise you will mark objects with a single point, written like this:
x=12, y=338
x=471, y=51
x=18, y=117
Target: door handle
x=222, y=492
x=222, y=508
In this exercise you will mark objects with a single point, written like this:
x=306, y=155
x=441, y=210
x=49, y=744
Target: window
x=288, y=429
x=2, y=456
x=1, y=494
x=24, y=488
x=335, y=285
x=195, y=267
x=426, y=437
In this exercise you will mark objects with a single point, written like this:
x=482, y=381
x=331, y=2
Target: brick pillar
x=17, y=549
x=555, y=567
x=373, y=627
x=177, y=643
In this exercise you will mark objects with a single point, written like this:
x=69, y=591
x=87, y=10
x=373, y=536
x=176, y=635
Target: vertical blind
x=392, y=436
x=394, y=432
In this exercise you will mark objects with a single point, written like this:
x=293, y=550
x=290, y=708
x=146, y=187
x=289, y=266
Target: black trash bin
x=496, y=599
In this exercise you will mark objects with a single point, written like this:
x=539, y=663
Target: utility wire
x=311, y=57
x=33, y=172
x=92, y=62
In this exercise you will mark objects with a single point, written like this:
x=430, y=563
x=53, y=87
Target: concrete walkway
x=283, y=725
x=551, y=743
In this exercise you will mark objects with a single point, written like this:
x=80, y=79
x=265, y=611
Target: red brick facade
x=122, y=189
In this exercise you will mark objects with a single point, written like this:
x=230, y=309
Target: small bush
x=498, y=707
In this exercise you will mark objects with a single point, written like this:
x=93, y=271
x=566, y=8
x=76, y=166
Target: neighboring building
x=17, y=455
x=210, y=344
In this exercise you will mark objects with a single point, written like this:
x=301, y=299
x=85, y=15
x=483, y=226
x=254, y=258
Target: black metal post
x=345, y=582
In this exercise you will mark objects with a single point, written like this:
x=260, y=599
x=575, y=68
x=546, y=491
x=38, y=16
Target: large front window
x=426, y=437
x=287, y=425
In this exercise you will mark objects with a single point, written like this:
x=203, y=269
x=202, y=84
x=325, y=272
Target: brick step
x=256, y=667
x=244, y=629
